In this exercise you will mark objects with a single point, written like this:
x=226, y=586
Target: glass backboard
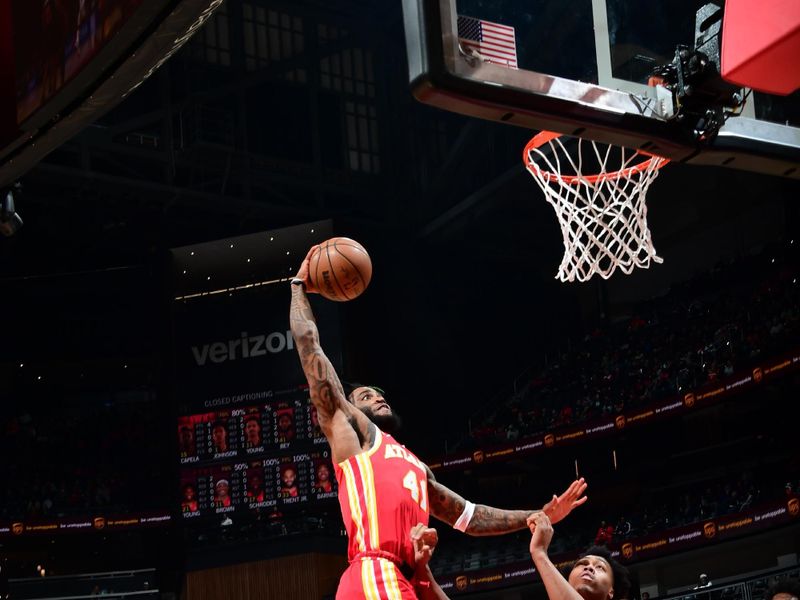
x=582, y=68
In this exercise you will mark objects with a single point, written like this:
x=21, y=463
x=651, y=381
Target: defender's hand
x=424, y=540
x=542, y=530
x=560, y=506
x=302, y=272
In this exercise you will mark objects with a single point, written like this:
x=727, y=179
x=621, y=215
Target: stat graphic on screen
x=266, y=455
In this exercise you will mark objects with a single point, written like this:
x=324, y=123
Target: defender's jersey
x=383, y=493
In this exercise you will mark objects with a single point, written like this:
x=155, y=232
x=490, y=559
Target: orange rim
x=541, y=138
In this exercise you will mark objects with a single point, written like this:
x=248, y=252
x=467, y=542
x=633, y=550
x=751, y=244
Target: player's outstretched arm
x=557, y=587
x=337, y=417
x=479, y=519
x=325, y=388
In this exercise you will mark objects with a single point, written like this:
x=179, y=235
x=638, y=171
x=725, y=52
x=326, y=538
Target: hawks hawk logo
x=478, y=456
x=549, y=440
x=461, y=582
x=620, y=421
x=710, y=529
x=689, y=399
x=758, y=374
x=99, y=523
x=17, y=528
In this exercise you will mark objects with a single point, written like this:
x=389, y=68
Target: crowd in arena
x=690, y=505
x=706, y=501
x=705, y=329
x=60, y=470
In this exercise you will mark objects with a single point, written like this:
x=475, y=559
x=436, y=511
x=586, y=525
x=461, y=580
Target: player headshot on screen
x=219, y=436
x=186, y=441
x=189, y=502
x=317, y=432
x=323, y=482
x=289, y=481
x=252, y=431
x=285, y=426
x=255, y=488
x=221, y=493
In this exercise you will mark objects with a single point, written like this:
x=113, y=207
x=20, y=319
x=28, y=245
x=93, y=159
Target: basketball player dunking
x=384, y=490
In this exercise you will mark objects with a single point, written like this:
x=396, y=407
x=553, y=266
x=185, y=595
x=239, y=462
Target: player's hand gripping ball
x=340, y=269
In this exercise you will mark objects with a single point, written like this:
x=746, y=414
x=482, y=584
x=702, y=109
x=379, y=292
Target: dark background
x=307, y=117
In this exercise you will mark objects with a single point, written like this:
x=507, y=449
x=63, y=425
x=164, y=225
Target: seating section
x=717, y=323
x=138, y=585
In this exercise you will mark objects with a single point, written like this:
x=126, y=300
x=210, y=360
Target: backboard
x=582, y=68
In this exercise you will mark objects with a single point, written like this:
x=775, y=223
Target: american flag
x=494, y=42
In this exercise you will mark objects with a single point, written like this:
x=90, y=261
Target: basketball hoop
x=603, y=217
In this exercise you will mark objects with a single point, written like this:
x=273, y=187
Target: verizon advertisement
x=713, y=392
x=237, y=348
x=687, y=537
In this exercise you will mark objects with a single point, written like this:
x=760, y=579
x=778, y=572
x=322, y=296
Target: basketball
x=341, y=269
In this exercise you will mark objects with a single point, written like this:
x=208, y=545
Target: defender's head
x=598, y=576
x=371, y=400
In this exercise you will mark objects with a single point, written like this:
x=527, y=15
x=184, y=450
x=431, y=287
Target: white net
x=603, y=217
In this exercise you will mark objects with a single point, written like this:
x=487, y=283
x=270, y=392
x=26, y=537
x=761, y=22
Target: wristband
x=463, y=521
x=298, y=281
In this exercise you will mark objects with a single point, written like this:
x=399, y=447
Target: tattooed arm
x=448, y=506
x=346, y=428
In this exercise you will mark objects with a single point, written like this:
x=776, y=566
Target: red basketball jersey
x=383, y=493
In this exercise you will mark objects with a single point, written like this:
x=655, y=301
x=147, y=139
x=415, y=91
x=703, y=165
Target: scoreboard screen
x=269, y=455
x=247, y=431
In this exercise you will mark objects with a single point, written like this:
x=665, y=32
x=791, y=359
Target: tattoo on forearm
x=494, y=521
x=445, y=504
x=300, y=310
x=324, y=385
x=448, y=506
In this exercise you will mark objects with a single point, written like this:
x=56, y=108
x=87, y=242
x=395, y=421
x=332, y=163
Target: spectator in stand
x=746, y=499
x=785, y=589
x=789, y=491
x=702, y=584
x=605, y=534
x=623, y=528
